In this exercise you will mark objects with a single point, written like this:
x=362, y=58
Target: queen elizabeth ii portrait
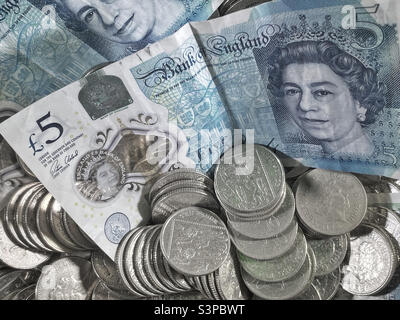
x=330, y=95
x=116, y=28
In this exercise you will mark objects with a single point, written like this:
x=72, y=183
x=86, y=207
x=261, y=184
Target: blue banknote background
x=38, y=56
x=240, y=77
x=187, y=89
x=195, y=10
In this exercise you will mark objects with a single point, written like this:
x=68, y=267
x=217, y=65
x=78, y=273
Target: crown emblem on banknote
x=360, y=43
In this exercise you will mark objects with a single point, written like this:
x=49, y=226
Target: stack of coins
x=142, y=266
x=34, y=223
x=196, y=243
x=180, y=189
x=329, y=203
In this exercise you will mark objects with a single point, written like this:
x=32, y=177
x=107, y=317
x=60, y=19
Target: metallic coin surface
x=18, y=257
x=260, y=190
x=25, y=293
x=178, y=175
x=195, y=241
x=76, y=233
x=25, y=167
x=311, y=293
x=16, y=280
x=330, y=203
x=9, y=213
x=138, y=261
x=65, y=279
x=278, y=269
x=45, y=233
x=130, y=270
x=102, y=292
x=287, y=289
x=329, y=253
x=328, y=285
x=266, y=249
x=107, y=271
x=54, y=217
x=371, y=262
x=159, y=269
x=180, y=280
x=182, y=198
x=212, y=286
x=29, y=219
x=148, y=262
x=18, y=216
x=120, y=261
x=228, y=279
x=269, y=227
x=182, y=184
x=387, y=219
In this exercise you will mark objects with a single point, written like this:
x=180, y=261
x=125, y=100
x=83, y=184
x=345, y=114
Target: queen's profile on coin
x=330, y=95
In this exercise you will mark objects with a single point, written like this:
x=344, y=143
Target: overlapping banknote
x=316, y=80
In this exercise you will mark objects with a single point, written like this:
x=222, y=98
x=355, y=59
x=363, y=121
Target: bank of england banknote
x=37, y=55
x=118, y=28
x=97, y=142
x=316, y=81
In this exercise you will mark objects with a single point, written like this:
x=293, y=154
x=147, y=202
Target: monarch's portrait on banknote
x=327, y=87
x=118, y=27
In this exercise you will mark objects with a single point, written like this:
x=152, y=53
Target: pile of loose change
x=271, y=233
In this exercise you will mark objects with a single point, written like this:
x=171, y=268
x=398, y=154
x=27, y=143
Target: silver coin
x=329, y=253
x=161, y=273
x=25, y=167
x=330, y=203
x=9, y=213
x=178, y=175
x=199, y=287
x=212, y=286
x=189, y=295
x=138, y=261
x=287, y=289
x=269, y=227
x=230, y=6
x=107, y=271
x=76, y=233
x=16, y=280
x=29, y=219
x=259, y=191
x=266, y=249
x=278, y=269
x=179, y=279
x=65, y=279
x=328, y=285
x=148, y=263
x=228, y=279
x=386, y=219
x=25, y=293
x=371, y=262
x=7, y=155
x=311, y=293
x=54, y=217
x=18, y=216
x=194, y=241
x=182, y=184
x=120, y=261
x=206, y=287
x=382, y=186
x=182, y=198
x=130, y=270
x=102, y=292
x=18, y=257
x=45, y=233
